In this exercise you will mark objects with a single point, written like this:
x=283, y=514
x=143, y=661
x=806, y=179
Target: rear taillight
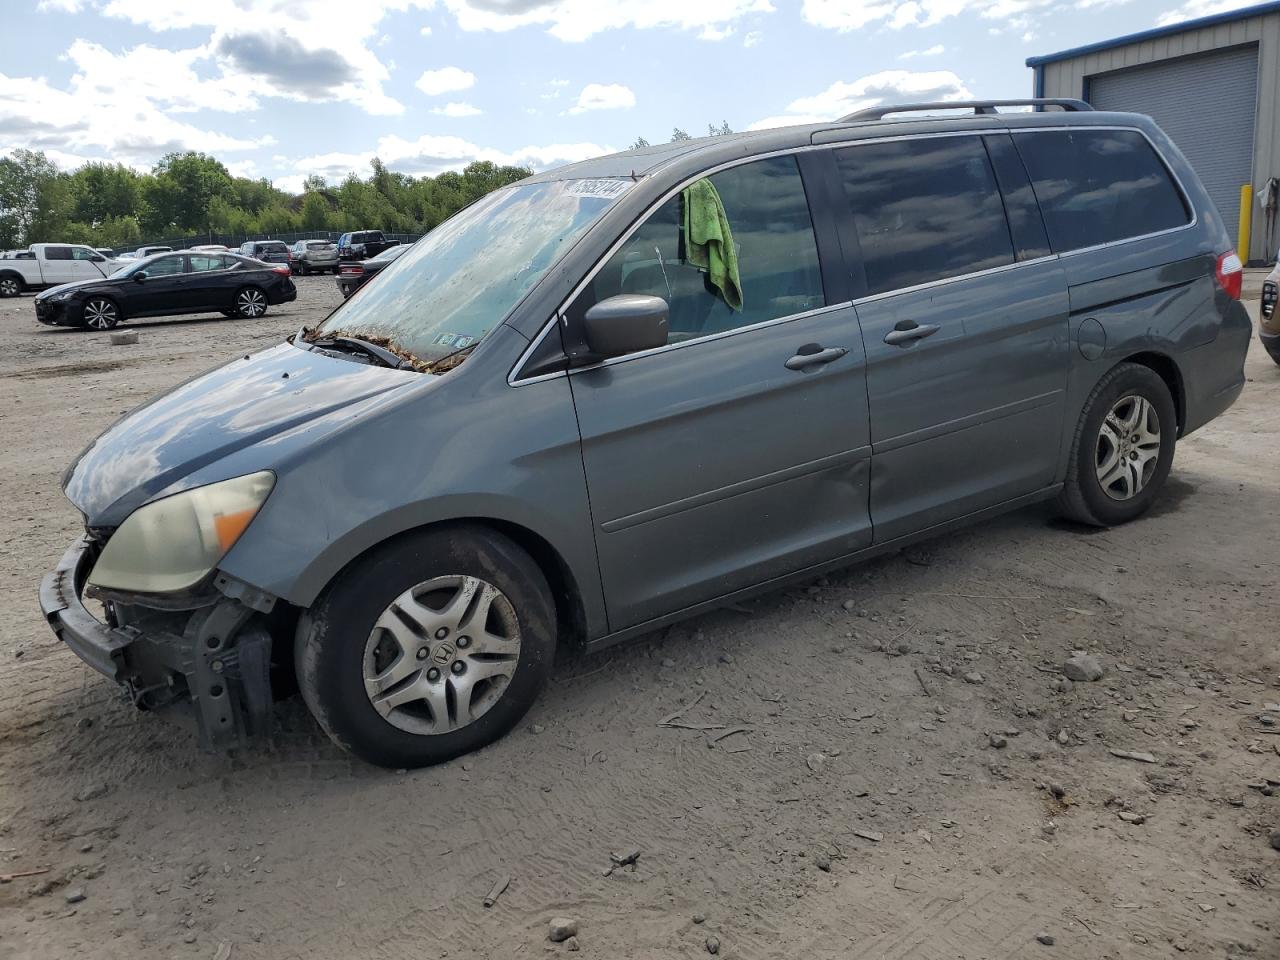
x=1230, y=274
x=283, y=270
x=351, y=271
x=1270, y=294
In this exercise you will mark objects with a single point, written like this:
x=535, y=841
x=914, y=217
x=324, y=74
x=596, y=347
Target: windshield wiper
x=354, y=344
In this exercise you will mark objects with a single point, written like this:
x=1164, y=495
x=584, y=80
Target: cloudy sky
x=285, y=88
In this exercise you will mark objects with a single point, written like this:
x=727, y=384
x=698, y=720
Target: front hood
x=73, y=285
x=210, y=417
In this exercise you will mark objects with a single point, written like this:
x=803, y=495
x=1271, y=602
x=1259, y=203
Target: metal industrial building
x=1212, y=84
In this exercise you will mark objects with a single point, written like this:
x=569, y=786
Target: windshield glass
x=462, y=279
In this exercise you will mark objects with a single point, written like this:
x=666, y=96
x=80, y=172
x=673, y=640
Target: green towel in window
x=708, y=241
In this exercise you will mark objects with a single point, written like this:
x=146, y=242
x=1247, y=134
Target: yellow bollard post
x=1246, y=222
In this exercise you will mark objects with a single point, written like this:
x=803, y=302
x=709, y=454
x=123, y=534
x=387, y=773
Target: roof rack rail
x=977, y=106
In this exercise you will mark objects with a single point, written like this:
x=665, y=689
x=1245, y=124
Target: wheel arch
x=565, y=589
x=1166, y=368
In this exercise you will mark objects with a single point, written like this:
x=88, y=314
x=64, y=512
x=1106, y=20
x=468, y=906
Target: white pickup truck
x=50, y=265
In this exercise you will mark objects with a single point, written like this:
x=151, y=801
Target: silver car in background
x=314, y=256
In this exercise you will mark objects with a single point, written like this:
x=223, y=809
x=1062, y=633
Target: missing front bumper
x=209, y=664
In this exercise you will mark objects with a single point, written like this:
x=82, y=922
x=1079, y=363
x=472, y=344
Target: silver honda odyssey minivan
x=632, y=389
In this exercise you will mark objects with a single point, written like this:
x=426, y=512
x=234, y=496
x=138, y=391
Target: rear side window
x=925, y=209
x=777, y=257
x=1099, y=186
x=57, y=253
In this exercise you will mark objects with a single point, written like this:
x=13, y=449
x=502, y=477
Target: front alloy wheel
x=251, y=302
x=431, y=646
x=100, y=314
x=441, y=654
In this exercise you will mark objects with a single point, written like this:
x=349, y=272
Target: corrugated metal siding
x=1066, y=78
x=1206, y=103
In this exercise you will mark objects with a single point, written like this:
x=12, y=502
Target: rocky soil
x=1027, y=739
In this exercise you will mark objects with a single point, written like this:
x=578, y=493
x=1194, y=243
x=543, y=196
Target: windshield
x=462, y=279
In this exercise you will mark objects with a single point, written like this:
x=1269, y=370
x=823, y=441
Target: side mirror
x=624, y=324
x=140, y=276
x=96, y=258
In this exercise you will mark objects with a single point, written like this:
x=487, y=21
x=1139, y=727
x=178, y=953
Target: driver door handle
x=814, y=355
x=906, y=332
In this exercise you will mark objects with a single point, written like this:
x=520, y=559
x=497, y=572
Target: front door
x=965, y=325
x=739, y=451
x=162, y=291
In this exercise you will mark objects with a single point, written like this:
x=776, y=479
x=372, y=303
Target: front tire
x=430, y=647
x=251, y=303
x=101, y=313
x=1123, y=448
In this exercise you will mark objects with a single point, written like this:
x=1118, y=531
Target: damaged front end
x=203, y=655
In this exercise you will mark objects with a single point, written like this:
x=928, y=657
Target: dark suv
x=362, y=245
x=636, y=388
x=268, y=251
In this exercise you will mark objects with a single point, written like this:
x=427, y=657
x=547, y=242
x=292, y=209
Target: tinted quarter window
x=925, y=209
x=777, y=256
x=1098, y=186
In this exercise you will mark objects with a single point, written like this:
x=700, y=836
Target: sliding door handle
x=903, y=335
x=814, y=355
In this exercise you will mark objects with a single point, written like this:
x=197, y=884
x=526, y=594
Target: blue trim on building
x=1233, y=15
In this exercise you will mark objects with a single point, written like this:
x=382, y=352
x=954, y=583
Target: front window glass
x=462, y=279
x=740, y=253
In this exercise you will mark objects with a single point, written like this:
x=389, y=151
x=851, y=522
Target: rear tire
x=11, y=286
x=300, y=269
x=251, y=303
x=1123, y=448
x=403, y=667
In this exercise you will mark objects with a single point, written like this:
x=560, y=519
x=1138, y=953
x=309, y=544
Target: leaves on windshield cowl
x=442, y=365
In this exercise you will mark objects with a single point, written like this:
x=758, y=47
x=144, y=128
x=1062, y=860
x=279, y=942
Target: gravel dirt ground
x=885, y=763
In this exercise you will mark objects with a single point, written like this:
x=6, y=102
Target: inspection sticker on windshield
x=454, y=340
x=604, y=189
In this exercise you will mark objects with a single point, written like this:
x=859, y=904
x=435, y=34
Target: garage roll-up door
x=1206, y=103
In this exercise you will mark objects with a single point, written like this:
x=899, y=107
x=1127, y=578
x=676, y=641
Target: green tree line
x=112, y=205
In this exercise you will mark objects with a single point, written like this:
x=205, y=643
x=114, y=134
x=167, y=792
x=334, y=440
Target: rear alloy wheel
x=251, y=303
x=101, y=314
x=1123, y=448
x=11, y=286
x=431, y=647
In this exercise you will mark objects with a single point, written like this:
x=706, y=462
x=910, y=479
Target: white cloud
x=167, y=78
x=576, y=20
x=713, y=32
x=604, y=96
x=432, y=155
x=72, y=127
x=887, y=86
x=304, y=56
x=752, y=39
x=936, y=50
x=445, y=80
x=60, y=6
x=847, y=15
x=458, y=110
x=1201, y=8
x=425, y=31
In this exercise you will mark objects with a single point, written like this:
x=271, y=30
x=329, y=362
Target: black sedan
x=166, y=285
x=352, y=276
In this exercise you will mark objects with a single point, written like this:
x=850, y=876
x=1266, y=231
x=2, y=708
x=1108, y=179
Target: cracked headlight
x=173, y=543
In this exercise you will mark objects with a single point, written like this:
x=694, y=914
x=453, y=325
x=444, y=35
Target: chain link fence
x=233, y=240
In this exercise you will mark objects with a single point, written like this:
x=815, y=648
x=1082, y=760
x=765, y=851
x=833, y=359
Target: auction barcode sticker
x=604, y=189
